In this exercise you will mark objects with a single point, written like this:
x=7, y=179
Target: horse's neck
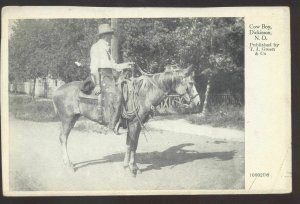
x=158, y=93
x=156, y=97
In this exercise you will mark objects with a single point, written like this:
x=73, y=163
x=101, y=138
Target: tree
x=214, y=46
x=27, y=51
x=42, y=48
x=148, y=42
x=72, y=39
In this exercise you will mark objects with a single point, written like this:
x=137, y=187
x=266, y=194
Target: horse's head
x=186, y=87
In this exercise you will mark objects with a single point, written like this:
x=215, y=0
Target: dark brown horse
x=149, y=91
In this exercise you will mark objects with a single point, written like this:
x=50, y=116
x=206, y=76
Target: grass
x=42, y=110
x=221, y=116
x=84, y=125
x=25, y=108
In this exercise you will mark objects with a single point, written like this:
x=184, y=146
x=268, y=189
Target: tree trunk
x=33, y=90
x=115, y=41
x=204, y=110
x=46, y=88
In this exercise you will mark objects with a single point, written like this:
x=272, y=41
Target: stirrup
x=116, y=132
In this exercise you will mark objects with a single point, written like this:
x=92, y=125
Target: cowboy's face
x=107, y=37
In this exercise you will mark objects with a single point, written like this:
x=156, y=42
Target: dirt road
x=203, y=158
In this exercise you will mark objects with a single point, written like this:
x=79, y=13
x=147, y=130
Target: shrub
x=221, y=116
x=23, y=107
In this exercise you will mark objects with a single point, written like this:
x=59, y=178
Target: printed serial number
x=259, y=174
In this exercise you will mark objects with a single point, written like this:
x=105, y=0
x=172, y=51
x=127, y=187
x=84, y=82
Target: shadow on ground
x=170, y=157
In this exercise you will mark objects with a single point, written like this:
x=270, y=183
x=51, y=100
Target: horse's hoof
x=138, y=171
x=116, y=132
x=72, y=169
x=75, y=168
x=134, y=170
x=132, y=173
x=71, y=166
x=129, y=171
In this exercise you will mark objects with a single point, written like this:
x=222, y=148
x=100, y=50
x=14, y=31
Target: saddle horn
x=144, y=73
x=189, y=70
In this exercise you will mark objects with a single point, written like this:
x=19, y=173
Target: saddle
x=87, y=93
x=87, y=89
x=88, y=86
x=89, y=98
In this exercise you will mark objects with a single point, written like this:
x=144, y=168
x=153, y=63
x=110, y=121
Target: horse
x=149, y=91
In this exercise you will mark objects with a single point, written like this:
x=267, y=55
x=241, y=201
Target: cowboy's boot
x=115, y=122
x=99, y=104
x=99, y=108
x=76, y=107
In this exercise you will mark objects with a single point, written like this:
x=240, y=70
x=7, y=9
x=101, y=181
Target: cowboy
x=103, y=68
x=101, y=56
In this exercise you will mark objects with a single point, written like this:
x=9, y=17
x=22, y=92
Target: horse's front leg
x=127, y=156
x=133, y=133
x=132, y=163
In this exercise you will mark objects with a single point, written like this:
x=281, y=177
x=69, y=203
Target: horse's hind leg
x=67, y=125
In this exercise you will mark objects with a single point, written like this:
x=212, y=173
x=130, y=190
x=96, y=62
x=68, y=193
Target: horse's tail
x=60, y=95
x=55, y=108
x=54, y=101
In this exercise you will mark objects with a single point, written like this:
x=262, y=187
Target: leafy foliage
x=39, y=48
x=214, y=46
x=214, y=43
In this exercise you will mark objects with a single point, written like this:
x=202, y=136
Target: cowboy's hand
x=97, y=90
x=186, y=105
x=128, y=65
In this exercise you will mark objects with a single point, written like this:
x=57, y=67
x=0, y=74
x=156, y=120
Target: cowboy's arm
x=122, y=66
x=106, y=60
x=94, y=65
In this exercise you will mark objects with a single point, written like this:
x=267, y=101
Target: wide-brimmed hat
x=104, y=28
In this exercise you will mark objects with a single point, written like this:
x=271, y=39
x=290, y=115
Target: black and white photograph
x=125, y=105
x=105, y=100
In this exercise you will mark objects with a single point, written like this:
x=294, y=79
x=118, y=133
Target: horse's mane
x=166, y=80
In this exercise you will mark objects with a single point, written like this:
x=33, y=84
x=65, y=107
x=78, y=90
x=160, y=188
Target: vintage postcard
x=145, y=101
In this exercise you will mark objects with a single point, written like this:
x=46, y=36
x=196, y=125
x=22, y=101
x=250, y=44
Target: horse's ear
x=189, y=70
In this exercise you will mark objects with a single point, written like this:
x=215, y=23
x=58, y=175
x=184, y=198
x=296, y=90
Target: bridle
x=191, y=99
x=166, y=94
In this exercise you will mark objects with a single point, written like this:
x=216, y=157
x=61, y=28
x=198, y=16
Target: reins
x=134, y=114
x=186, y=105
